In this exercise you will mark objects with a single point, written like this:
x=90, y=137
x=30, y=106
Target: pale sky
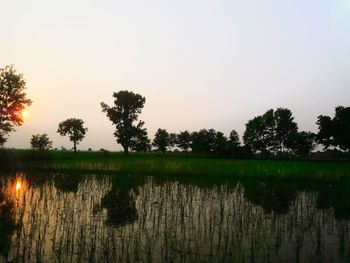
x=200, y=64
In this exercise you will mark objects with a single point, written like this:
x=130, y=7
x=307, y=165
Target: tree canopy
x=40, y=142
x=161, y=140
x=275, y=132
x=74, y=128
x=126, y=110
x=140, y=142
x=13, y=101
x=184, y=140
x=335, y=131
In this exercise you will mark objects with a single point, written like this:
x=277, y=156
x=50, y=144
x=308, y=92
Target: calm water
x=120, y=218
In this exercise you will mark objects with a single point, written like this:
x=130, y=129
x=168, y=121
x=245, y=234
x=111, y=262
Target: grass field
x=99, y=162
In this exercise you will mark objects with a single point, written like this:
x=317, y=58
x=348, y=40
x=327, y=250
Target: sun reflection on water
x=18, y=185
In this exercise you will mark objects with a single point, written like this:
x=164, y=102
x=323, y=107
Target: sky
x=199, y=63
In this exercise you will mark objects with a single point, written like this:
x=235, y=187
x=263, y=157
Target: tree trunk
x=126, y=150
x=75, y=147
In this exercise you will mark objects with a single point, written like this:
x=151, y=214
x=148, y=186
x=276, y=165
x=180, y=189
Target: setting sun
x=24, y=114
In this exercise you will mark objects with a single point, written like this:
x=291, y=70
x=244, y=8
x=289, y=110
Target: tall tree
x=126, y=109
x=161, y=140
x=272, y=132
x=233, y=144
x=220, y=145
x=172, y=140
x=285, y=129
x=74, y=128
x=40, y=142
x=257, y=135
x=336, y=131
x=184, y=140
x=13, y=101
x=325, y=131
x=341, y=124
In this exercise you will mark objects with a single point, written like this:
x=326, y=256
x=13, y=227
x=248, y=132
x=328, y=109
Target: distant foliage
x=125, y=111
x=74, y=128
x=13, y=100
x=40, y=142
x=161, y=140
x=184, y=140
x=275, y=133
x=335, y=131
x=140, y=141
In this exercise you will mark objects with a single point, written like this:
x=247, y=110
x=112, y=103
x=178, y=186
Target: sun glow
x=24, y=114
x=18, y=185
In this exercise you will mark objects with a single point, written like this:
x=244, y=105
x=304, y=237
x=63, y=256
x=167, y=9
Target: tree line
x=274, y=133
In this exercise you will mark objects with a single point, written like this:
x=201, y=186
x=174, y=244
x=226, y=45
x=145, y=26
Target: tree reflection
x=271, y=195
x=120, y=200
x=7, y=218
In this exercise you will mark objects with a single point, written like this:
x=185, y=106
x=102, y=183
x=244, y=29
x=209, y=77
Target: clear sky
x=200, y=64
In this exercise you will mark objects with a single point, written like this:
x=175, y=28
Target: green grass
x=152, y=163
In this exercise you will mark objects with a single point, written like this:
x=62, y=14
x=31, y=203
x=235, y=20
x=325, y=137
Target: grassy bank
x=99, y=162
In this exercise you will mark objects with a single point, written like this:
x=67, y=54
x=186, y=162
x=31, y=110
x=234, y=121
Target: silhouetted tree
x=74, y=129
x=336, y=131
x=233, y=144
x=303, y=143
x=161, y=140
x=40, y=142
x=325, y=131
x=220, y=144
x=13, y=101
x=258, y=135
x=184, y=140
x=272, y=132
x=140, y=142
x=126, y=109
x=172, y=140
x=234, y=139
x=203, y=141
x=286, y=129
x=341, y=127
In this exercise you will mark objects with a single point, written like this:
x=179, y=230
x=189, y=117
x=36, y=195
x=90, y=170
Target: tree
x=74, y=128
x=233, y=143
x=341, y=127
x=126, y=109
x=161, y=140
x=220, y=144
x=234, y=139
x=203, y=141
x=172, y=140
x=13, y=101
x=41, y=142
x=336, y=131
x=272, y=132
x=325, y=131
x=285, y=129
x=140, y=141
x=258, y=136
x=303, y=143
x=184, y=140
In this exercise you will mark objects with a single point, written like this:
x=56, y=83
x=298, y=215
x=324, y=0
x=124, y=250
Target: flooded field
x=125, y=218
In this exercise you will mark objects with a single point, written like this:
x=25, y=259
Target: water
x=124, y=218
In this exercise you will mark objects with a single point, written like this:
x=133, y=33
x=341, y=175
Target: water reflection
x=65, y=218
